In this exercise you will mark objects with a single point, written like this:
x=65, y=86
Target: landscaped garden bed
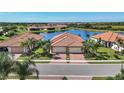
x=35, y=55
x=105, y=53
x=99, y=78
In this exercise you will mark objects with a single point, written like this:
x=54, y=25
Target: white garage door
x=75, y=50
x=59, y=49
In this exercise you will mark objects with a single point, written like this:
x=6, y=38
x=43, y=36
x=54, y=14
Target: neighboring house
x=109, y=39
x=66, y=43
x=13, y=45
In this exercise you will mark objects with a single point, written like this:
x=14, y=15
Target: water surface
x=83, y=33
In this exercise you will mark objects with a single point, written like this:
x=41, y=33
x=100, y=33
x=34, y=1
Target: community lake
x=83, y=33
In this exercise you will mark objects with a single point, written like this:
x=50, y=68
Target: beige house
x=13, y=45
x=109, y=39
x=66, y=43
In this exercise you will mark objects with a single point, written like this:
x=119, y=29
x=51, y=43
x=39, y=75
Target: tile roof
x=76, y=37
x=17, y=40
x=121, y=37
x=109, y=36
x=66, y=39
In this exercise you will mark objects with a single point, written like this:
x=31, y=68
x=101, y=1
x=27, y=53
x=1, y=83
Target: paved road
x=73, y=69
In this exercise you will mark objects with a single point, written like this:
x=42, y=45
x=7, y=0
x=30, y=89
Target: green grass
x=99, y=78
x=42, y=58
x=36, y=55
x=16, y=77
x=23, y=57
x=39, y=51
x=110, y=52
x=107, y=51
x=48, y=31
x=106, y=54
x=3, y=38
x=117, y=27
x=98, y=30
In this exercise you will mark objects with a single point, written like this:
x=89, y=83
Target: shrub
x=64, y=78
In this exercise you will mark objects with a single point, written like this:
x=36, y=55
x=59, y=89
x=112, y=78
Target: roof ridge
x=59, y=40
x=110, y=36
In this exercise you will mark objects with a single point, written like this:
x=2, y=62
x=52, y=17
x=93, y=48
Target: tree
x=25, y=69
x=6, y=65
x=88, y=35
x=64, y=78
x=29, y=45
x=119, y=43
x=87, y=25
x=90, y=47
x=46, y=46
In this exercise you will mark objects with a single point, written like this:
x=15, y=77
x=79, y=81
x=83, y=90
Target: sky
x=61, y=16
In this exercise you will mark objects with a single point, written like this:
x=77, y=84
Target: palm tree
x=25, y=69
x=87, y=35
x=6, y=65
x=29, y=45
x=24, y=45
x=90, y=47
x=46, y=47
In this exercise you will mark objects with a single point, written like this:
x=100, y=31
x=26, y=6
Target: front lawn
x=105, y=53
x=35, y=55
x=110, y=53
x=99, y=78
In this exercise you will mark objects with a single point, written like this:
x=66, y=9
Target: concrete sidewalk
x=60, y=77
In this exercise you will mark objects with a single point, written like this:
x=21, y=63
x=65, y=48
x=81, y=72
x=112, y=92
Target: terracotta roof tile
x=67, y=39
x=76, y=37
x=16, y=40
x=121, y=37
x=107, y=36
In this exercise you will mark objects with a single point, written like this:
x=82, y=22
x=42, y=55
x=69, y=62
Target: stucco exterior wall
x=17, y=50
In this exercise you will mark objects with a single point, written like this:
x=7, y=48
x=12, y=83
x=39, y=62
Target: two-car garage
x=66, y=43
x=67, y=49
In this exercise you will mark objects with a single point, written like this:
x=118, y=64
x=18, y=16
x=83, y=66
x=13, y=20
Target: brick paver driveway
x=59, y=57
x=76, y=57
x=72, y=57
